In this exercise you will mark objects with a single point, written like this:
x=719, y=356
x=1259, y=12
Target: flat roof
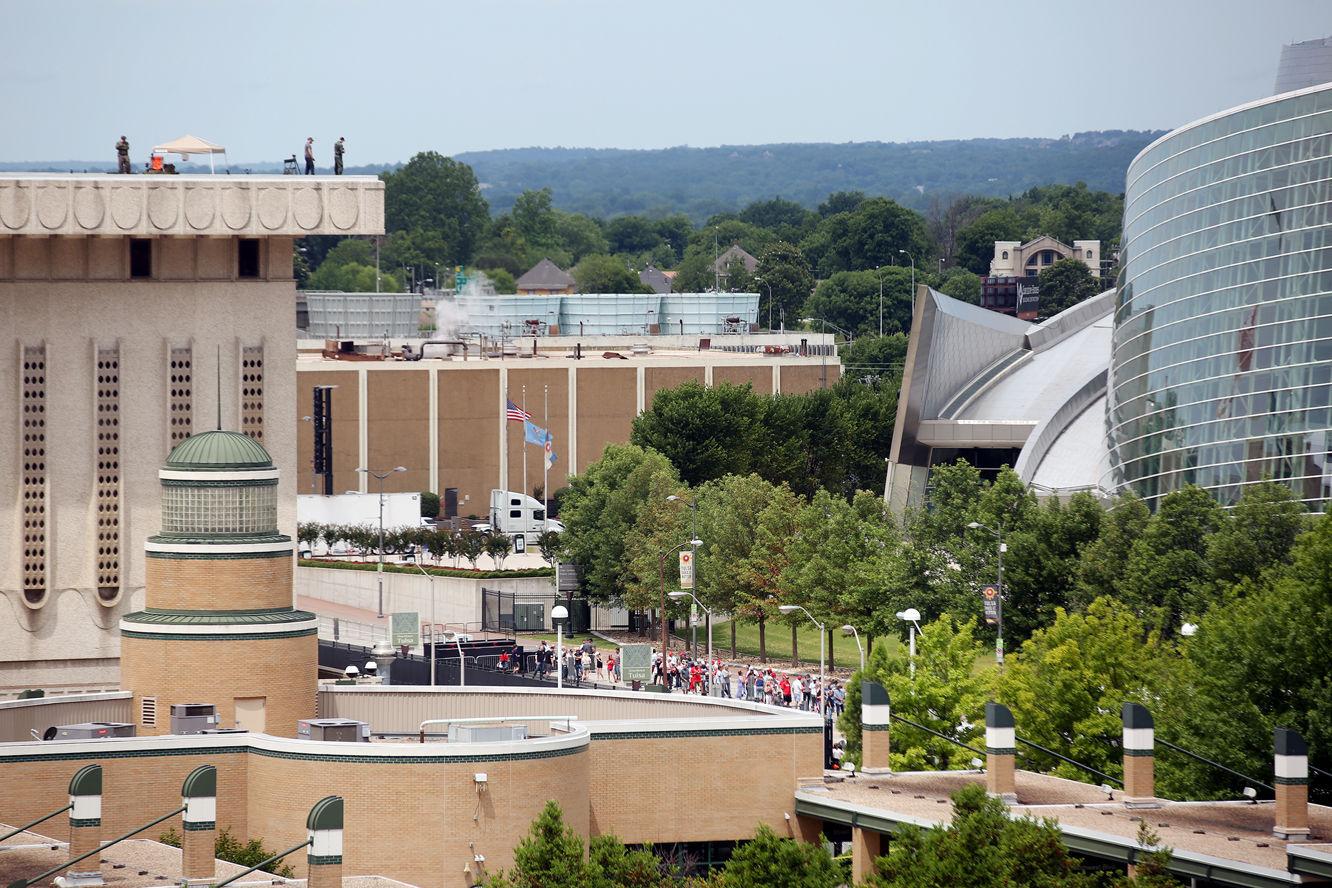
x=105, y=204
x=1233, y=839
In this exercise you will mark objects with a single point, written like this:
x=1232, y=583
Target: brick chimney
x=1139, y=757
x=875, y=714
x=1291, y=769
x=1000, y=752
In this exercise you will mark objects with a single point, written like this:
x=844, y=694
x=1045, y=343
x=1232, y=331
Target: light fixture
x=678, y=595
x=788, y=608
x=909, y=614
x=1188, y=630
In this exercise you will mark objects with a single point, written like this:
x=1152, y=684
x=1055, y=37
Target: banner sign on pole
x=566, y=577
x=686, y=569
x=993, y=603
x=636, y=663
x=405, y=629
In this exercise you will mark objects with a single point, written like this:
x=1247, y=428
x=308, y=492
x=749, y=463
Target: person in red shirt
x=786, y=690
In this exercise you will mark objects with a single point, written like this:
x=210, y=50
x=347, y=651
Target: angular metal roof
x=545, y=275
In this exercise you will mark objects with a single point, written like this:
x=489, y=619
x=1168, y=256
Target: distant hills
x=703, y=181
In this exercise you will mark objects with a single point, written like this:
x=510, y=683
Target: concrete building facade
x=135, y=310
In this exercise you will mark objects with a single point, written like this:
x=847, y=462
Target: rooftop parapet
x=217, y=206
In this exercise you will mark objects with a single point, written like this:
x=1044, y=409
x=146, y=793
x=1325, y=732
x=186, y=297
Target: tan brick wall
x=469, y=435
x=134, y=790
x=81, y=840
x=759, y=377
x=346, y=429
x=866, y=847
x=398, y=431
x=875, y=748
x=698, y=797
x=450, y=822
x=197, y=847
x=607, y=403
x=327, y=875
x=178, y=670
x=1292, y=808
x=657, y=378
x=558, y=424
x=1139, y=776
x=1000, y=779
x=230, y=584
x=800, y=379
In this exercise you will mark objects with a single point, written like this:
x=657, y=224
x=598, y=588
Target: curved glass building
x=1221, y=362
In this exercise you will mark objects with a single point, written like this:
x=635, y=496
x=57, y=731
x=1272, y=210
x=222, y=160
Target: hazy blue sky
x=400, y=77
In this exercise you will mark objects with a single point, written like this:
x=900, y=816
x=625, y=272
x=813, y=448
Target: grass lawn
x=845, y=654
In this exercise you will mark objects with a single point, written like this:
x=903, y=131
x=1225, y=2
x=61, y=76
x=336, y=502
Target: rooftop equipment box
x=486, y=733
x=94, y=731
x=192, y=718
x=333, y=729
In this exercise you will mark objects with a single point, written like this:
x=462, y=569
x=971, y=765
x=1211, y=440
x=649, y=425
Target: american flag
x=518, y=414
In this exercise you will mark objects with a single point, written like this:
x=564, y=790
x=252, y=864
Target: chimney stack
x=1291, y=769
x=1000, y=753
x=1139, y=757
x=875, y=714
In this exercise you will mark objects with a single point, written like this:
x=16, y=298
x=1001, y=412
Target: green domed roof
x=219, y=450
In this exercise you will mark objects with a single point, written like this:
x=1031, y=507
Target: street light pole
x=661, y=568
x=848, y=629
x=693, y=535
x=879, y=275
x=792, y=608
x=913, y=278
x=431, y=580
x=912, y=616
x=999, y=623
x=685, y=594
x=380, y=476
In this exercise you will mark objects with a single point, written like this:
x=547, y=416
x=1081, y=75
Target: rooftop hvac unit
x=344, y=730
x=192, y=718
x=94, y=731
x=486, y=733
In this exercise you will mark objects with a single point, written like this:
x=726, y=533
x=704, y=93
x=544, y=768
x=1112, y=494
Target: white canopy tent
x=187, y=145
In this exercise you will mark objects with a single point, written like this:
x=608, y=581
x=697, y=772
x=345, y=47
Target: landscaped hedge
x=461, y=572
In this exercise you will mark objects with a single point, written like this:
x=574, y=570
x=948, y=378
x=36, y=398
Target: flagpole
x=524, y=442
x=545, y=461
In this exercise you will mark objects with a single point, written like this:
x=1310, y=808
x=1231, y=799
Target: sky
x=400, y=76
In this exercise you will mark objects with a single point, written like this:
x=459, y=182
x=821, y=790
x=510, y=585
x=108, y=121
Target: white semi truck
x=514, y=514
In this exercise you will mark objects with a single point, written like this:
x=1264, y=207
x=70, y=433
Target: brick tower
x=218, y=624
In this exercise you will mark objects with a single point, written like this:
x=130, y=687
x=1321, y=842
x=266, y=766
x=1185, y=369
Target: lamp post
x=913, y=277
x=792, y=608
x=431, y=581
x=999, y=623
x=661, y=568
x=762, y=282
x=912, y=616
x=380, y=476
x=686, y=594
x=558, y=614
x=823, y=372
x=848, y=629
x=693, y=535
x=879, y=275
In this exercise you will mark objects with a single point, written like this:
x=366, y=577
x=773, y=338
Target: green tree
x=1167, y=570
x=429, y=504
x=549, y=856
x=1259, y=660
x=981, y=847
x=349, y=251
x=534, y=218
x=704, y=432
x=850, y=299
x=437, y=194
x=841, y=202
x=1068, y=681
x=579, y=235
x=875, y=357
x=600, y=508
x=975, y=242
x=1101, y=566
x=1064, y=284
x=632, y=234
x=1258, y=533
x=606, y=274
x=352, y=278
x=772, y=861
x=963, y=285
x=784, y=281
x=501, y=280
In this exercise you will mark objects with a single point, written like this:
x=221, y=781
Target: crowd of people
x=683, y=674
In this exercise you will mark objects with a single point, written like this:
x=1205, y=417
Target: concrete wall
x=74, y=296
x=444, y=420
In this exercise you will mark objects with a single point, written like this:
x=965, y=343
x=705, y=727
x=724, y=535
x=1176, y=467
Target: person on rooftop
x=309, y=156
x=122, y=156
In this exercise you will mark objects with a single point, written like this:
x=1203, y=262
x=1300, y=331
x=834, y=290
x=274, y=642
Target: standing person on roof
x=339, y=147
x=122, y=156
x=309, y=156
